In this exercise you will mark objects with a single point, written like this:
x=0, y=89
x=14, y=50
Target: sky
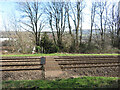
x=8, y=7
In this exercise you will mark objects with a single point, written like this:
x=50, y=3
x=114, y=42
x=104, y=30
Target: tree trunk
x=102, y=33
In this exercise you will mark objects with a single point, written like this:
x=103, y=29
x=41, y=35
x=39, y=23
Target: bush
x=54, y=48
x=72, y=47
x=83, y=48
x=7, y=43
x=87, y=48
x=38, y=48
x=48, y=45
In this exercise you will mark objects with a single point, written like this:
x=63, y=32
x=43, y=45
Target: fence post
x=43, y=60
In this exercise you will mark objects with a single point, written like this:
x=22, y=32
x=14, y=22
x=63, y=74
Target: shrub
x=72, y=47
x=38, y=48
x=83, y=48
x=48, y=45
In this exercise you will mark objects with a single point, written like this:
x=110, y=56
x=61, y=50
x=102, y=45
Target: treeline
x=58, y=17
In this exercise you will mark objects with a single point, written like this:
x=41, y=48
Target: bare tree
x=32, y=19
x=76, y=17
x=118, y=22
x=110, y=22
x=93, y=12
x=101, y=7
x=113, y=24
x=68, y=17
x=57, y=20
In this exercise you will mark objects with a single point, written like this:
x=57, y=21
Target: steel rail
x=21, y=65
x=89, y=66
x=77, y=63
x=20, y=69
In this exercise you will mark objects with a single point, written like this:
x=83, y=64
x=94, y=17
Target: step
x=52, y=69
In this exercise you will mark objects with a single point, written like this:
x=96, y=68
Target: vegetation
x=81, y=82
x=57, y=54
x=65, y=21
x=47, y=45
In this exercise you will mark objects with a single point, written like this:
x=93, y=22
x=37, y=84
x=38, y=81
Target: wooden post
x=43, y=60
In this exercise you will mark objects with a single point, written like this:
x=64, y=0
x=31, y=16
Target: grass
x=56, y=54
x=81, y=82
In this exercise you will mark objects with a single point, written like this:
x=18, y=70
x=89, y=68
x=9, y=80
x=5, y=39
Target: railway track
x=89, y=66
x=20, y=63
x=25, y=68
x=88, y=62
x=20, y=69
x=19, y=58
x=65, y=62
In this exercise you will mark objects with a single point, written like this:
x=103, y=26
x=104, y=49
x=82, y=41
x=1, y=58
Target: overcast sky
x=7, y=7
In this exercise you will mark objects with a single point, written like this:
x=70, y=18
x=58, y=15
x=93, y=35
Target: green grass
x=81, y=82
x=57, y=54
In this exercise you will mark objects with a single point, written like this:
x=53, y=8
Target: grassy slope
x=57, y=54
x=81, y=82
